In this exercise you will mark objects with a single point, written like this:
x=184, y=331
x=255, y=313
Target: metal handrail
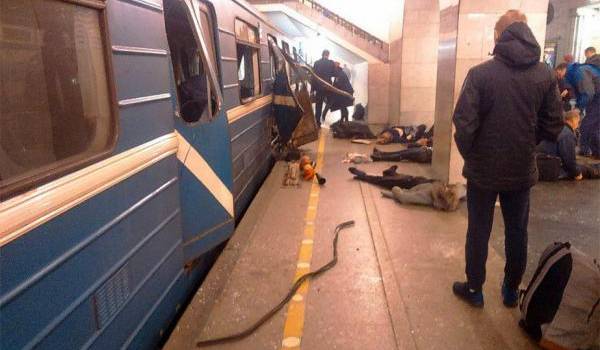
x=356, y=30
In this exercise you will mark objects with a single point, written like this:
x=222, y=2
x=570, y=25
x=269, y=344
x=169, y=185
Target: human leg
x=590, y=172
x=319, y=98
x=390, y=179
x=416, y=154
x=480, y=205
x=325, y=111
x=593, y=126
x=515, y=210
x=344, y=112
x=585, y=130
x=420, y=195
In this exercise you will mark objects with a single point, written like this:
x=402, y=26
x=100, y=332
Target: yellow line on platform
x=294, y=322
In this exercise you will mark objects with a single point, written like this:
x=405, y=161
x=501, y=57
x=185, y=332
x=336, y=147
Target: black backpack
x=559, y=308
x=359, y=112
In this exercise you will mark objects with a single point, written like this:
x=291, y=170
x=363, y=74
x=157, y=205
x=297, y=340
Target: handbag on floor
x=548, y=167
x=559, y=308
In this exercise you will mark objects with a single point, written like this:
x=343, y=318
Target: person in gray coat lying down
x=434, y=194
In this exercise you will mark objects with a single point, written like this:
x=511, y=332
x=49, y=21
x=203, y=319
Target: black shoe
x=391, y=171
x=472, y=297
x=356, y=172
x=376, y=150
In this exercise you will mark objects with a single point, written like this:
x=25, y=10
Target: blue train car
x=133, y=135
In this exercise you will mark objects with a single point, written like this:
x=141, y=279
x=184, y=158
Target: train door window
x=57, y=112
x=247, y=44
x=196, y=100
x=285, y=46
x=272, y=58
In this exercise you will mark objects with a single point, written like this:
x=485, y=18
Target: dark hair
x=590, y=49
x=561, y=66
x=325, y=53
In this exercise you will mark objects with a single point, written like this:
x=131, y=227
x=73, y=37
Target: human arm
x=466, y=115
x=550, y=116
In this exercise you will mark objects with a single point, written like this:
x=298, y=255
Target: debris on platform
x=292, y=174
x=356, y=158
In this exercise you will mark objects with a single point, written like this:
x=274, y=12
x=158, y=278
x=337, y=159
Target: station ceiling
x=300, y=31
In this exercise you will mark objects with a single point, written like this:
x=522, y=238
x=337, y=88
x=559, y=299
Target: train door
x=201, y=125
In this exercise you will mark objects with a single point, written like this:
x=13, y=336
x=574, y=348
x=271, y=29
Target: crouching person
x=564, y=149
x=436, y=194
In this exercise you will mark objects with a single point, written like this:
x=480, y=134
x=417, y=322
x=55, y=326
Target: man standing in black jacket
x=506, y=105
x=325, y=69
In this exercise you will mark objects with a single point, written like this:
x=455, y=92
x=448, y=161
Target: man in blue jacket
x=585, y=80
x=564, y=148
x=505, y=106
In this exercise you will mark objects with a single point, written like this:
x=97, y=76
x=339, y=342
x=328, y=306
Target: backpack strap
x=554, y=253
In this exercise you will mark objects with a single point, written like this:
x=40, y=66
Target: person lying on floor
x=564, y=148
x=351, y=130
x=434, y=194
x=414, y=153
x=425, y=140
x=401, y=134
x=390, y=178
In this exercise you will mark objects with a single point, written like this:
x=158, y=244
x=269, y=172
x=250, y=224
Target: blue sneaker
x=510, y=297
x=473, y=297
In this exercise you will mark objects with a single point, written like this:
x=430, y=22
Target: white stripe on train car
x=29, y=210
x=194, y=162
x=242, y=110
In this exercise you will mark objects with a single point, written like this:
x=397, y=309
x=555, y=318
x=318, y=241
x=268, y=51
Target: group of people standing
x=332, y=73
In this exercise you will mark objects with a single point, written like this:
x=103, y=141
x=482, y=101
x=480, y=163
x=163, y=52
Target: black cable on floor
x=286, y=299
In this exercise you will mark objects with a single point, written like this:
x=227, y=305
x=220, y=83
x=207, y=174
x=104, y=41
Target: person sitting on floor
x=390, y=178
x=564, y=148
x=417, y=153
x=435, y=194
x=401, y=134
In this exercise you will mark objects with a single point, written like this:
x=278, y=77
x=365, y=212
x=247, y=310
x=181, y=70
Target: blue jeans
x=515, y=210
x=590, y=130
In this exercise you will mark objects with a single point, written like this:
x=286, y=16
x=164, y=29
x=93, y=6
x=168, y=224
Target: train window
x=195, y=98
x=272, y=58
x=285, y=46
x=57, y=110
x=247, y=43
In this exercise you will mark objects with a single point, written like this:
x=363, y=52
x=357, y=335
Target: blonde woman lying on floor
x=434, y=194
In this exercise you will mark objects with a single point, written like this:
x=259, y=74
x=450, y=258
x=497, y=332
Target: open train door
x=296, y=97
x=204, y=152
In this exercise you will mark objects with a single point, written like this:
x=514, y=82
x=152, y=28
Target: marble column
x=378, y=92
x=395, y=62
x=420, y=37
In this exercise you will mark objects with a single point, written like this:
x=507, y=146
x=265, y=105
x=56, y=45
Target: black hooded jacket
x=506, y=106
